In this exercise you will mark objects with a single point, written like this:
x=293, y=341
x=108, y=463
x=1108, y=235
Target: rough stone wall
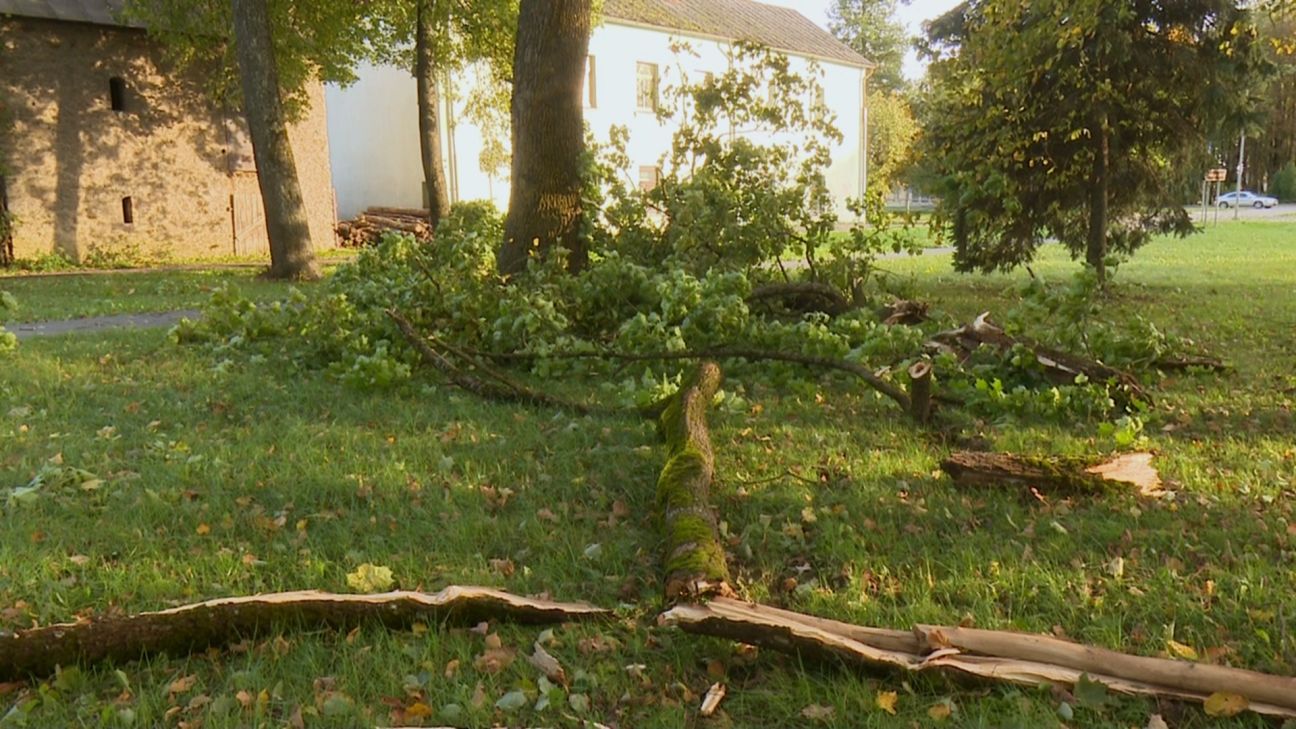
x=72, y=159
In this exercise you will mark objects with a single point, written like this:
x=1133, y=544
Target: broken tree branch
x=38, y=651
x=1060, y=367
x=694, y=557
x=997, y=655
x=1069, y=475
x=503, y=388
x=920, y=391
x=801, y=297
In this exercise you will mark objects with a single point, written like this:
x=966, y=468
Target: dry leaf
x=940, y=712
x=818, y=712
x=714, y=696
x=548, y=665
x=495, y=658
x=182, y=684
x=886, y=701
x=1156, y=722
x=1180, y=650
x=1225, y=705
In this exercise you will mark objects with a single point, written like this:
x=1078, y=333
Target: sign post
x=1211, y=188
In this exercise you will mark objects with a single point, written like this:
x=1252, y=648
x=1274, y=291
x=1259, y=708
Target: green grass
x=299, y=480
x=68, y=296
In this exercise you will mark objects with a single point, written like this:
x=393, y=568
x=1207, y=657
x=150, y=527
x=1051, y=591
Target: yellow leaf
x=886, y=701
x=1222, y=704
x=370, y=578
x=1186, y=652
x=203, y=530
x=418, y=709
x=940, y=712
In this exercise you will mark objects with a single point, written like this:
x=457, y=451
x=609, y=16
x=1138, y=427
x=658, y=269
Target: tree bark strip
x=694, y=561
x=36, y=652
x=548, y=134
x=429, y=113
x=1017, y=658
x=1049, y=473
x=291, y=256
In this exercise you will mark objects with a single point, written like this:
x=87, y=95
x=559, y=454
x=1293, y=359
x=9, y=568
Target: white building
x=373, y=125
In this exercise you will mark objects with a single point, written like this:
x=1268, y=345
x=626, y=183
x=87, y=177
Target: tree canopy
x=870, y=27
x=1067, y=119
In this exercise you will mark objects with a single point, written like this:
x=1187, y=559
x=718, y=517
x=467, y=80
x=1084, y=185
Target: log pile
x=368, y=227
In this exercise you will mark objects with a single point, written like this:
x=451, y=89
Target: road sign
x=1217, y=175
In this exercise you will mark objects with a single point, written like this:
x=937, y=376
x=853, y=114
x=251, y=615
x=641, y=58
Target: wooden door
x=248, y=215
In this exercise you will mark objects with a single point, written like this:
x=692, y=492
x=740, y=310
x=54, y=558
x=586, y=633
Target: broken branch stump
x=694, y=557
x=37, y=652
x=920, y=391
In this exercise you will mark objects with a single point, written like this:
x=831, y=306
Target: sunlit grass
x=239, y=478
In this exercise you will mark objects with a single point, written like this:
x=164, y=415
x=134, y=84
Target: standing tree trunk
x=425, y=67
x=1096, y=252
x=548, y=133
x=291, y=255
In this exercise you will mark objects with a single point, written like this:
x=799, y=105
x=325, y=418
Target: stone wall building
x=107, y=148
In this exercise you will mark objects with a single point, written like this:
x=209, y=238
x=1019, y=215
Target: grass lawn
x=100, y=293
x=225, y=478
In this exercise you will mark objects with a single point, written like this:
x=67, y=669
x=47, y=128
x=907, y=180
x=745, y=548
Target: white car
x=1245, y=199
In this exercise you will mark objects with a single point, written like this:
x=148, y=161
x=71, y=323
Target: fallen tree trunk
x=694, y=562
x=1180, y=364
x=1052, y=473
x=1060, y=367
x=36, y=652
x=997, y=655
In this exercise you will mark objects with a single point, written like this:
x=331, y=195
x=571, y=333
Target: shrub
x=1284, y=183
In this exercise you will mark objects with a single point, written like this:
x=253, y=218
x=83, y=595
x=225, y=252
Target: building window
x=646, y=80
x=591, y=83
x=649, y=177
x=128, y=210
x=117, y=93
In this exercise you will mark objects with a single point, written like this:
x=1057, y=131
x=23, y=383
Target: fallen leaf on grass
x=941, y=711
x=496, y=657
x=886, y=701
x=1225, y=705
x=1156, y=722
x=181, y=685
x=818, y=712
x=370, y=578
x=512, y=701
x=548, y=665
x=1181, y=650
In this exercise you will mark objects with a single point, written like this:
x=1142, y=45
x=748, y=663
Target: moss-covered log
x=36, y=652
x=694, y=562
x=1052, y=473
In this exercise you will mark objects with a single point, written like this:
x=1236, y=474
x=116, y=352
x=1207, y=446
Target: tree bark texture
x=548, y=134
x=429, y=113
x=37, y=652
x=1018, y=658
x=291, y=256
x=920, y=391
x=6, y=227
x=694, y=561
x=1096, y=249
x=1051, y=473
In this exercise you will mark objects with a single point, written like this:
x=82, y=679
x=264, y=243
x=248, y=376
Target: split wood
x=1052, y=473
x=1018, y=658
x=37, y=652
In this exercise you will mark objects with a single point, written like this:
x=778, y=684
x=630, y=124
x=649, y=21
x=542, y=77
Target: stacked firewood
x=369, y=226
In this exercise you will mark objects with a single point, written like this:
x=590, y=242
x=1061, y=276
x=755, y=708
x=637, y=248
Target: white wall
x=373, y=125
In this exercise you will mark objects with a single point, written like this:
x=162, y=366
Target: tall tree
x=291, y=255
x=871, y=28
x=1066, y=119
x=548, y=133
x=429, y=102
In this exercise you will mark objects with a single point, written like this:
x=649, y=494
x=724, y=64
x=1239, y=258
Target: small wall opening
x=117, y=93
x=128, y=210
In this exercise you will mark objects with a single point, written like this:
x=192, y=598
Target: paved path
x=30, y=330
